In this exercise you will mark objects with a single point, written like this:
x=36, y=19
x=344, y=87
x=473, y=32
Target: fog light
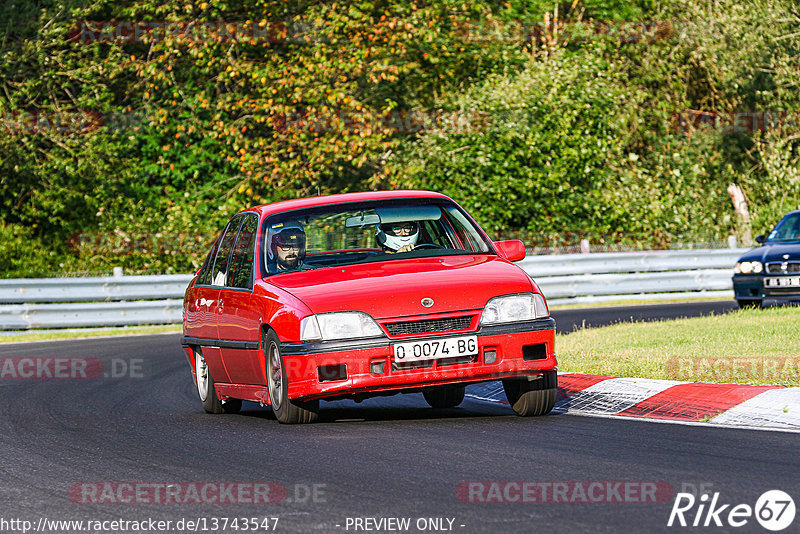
x=377, y=367
x=332, y=373
x=534, y=352
x=489, y=356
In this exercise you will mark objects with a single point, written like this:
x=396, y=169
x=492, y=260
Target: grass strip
x=88, y=332
x=759, y=347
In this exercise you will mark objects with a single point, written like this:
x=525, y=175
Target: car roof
x=311, y=202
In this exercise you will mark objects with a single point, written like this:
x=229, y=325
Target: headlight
x=747, y=267
x=514, y=308
x=343, y=325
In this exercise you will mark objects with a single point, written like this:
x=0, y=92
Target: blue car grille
x=777, y=267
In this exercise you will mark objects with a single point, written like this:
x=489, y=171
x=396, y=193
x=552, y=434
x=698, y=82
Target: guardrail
x=98, y=301
x=105, y=288
x=563, y=278
x=650, y=275
x=27, y=316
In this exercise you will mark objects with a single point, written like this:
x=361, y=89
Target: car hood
x=770, y=252
x=396, y=288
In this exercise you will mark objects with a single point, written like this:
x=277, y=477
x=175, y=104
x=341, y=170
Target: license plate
x=434, y=349
x=783, y=281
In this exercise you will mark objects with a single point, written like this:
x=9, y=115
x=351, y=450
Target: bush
x=22, y=255
x=544, y=155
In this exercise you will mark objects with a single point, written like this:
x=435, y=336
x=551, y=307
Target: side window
x=242, y=263
x=205, y=271
x=220, y=270
x=465, y=231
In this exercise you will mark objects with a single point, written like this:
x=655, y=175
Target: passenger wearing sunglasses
x=398, y=236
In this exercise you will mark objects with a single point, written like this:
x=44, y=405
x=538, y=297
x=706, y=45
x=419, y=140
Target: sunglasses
x=288, y=246
x=396, y=228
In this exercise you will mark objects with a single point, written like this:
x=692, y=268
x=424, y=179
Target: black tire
x=749, y=304
x=532, y=396
x=207, y=392
x=448, y=396
x=285, y=409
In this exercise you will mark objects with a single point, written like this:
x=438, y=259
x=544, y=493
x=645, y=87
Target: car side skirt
x=243, y=391
x=218, y=343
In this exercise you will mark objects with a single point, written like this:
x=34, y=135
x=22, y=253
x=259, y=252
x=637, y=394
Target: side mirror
x=760, y=239
x=512, y=250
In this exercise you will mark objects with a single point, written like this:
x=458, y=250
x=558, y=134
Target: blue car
x=771, y=270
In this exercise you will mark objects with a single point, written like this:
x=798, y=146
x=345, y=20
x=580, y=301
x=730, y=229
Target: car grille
x=777, y=267
x=428, y=326
x=406, y=366
x=781, y=291
x=396, y=366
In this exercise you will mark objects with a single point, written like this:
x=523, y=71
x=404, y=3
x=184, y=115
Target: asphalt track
x=384, y=458
x=568, y=319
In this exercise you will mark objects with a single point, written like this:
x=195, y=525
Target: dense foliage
x=130, y=147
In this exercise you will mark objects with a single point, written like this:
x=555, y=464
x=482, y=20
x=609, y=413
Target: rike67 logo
x=774, y=510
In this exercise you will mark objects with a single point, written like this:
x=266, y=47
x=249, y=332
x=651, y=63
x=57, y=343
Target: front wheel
x=448, y=396
x=531, y=396
x=285, y=409
x=207, y=392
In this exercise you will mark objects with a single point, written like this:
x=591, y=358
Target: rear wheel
x=448, y=396
x=749, y=304
x=285, y=409
x=535, y=395
x=207, y=392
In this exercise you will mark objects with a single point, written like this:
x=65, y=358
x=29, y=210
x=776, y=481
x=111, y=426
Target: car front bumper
x=369, y=366
x=751, y=287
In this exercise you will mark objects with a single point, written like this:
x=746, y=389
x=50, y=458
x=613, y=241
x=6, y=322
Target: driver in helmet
x=398, y=236
x=287, y=246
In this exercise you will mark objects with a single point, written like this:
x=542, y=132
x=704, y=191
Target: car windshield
x=786, y=230
x=384, y=230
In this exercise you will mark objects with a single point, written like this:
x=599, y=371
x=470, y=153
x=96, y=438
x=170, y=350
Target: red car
x=364, y=294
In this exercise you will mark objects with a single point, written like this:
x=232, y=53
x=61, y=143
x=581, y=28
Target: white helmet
x=387, y=238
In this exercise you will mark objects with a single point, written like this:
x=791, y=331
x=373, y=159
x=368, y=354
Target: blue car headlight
x=748, y=267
